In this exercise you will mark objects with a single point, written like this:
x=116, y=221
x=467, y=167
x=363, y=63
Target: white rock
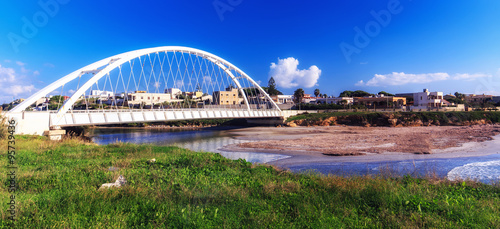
x=118, y=183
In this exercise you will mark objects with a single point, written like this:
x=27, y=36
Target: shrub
x=3, y=126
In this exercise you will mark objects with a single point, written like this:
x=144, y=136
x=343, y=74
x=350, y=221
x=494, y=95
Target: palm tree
x=298, y=95
x=343, y=102
x=316, y=92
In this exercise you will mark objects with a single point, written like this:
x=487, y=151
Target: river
x=206, y=140
x=485, y=168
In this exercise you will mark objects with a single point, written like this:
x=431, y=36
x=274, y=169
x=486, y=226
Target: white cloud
x=36, y=73
x=469, y=77
x=207, y=79
x=20, y=63
x=178, y=84
x=7, y=74
x=12, y=84
x=401, y=78
x=7, y=61
x=49, y=65
x=24, y=70
x=71, y=91
x=286, y=74
x=20, y=89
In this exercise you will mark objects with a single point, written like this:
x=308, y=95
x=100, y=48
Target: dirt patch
x=349, y=141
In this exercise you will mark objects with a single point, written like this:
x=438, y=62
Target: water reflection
x=196, y=140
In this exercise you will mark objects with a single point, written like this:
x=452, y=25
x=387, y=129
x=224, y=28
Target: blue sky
x=441, y=45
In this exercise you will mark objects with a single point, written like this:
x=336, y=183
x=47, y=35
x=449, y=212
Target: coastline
x=304, y=157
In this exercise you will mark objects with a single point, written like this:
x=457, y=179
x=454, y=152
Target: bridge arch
x=189, y=57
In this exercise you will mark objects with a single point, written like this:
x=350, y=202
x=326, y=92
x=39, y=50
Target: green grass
x=59, y=188
x=372, y=117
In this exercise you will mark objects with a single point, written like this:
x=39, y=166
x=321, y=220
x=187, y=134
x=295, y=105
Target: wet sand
x=314, y=145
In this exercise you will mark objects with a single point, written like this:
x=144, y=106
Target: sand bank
x=308, y=145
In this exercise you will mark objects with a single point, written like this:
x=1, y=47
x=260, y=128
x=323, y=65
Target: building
x=473, y=98
x=381, y=101
x=41, y=101
x=335, y=100
x=174, y=92
x=228, y=97
x=495, y=99
x=205, y=99
x=197, y=94
x=101, y=94
x=426, y=99
x=406, y=95
x=148, y=98
x=308, y=99
x=282, y=99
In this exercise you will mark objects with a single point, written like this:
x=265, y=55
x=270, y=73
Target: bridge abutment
x=31, y=123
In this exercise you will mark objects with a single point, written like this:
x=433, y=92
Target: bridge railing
x=154, y=109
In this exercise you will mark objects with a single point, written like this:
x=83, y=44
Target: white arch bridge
x=148, y=85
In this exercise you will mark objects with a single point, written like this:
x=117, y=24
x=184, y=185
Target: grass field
x=58, y=188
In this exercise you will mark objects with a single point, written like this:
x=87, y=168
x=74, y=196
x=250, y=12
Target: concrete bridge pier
x=55, y=133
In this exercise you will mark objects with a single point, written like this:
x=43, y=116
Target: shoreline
x=307, y=157
x=168, y=127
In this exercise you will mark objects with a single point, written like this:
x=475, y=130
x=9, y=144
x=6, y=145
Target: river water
x=485, y=168
x=206, y=140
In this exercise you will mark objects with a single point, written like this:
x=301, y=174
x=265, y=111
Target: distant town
x=231, y=96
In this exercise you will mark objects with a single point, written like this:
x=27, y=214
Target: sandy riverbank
x=307, y=145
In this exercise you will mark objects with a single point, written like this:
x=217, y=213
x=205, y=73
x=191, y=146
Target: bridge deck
x=77, y=118
x=38, y=122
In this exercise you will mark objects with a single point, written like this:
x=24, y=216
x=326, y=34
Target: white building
x=101, y=94
x=148, y=98
x=173, y=92
x=426, y=99
x=282, y=99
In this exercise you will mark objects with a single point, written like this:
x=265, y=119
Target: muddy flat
x=347, y=143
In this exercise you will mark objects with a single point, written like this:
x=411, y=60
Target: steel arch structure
x=101, y=69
